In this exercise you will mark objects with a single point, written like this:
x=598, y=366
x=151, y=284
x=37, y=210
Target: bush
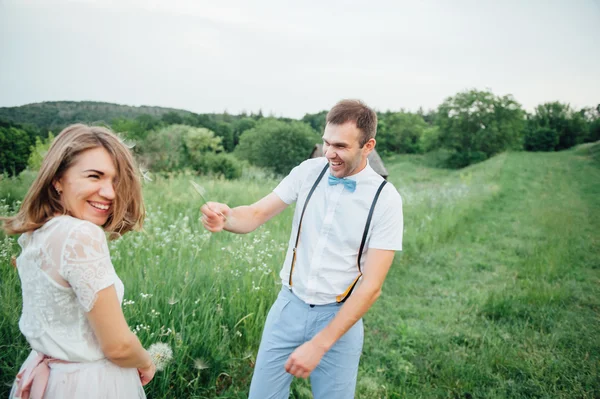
x=461, y=159
x=218, y=164
x=277, y=145
x=541, y=139
x=176, y=147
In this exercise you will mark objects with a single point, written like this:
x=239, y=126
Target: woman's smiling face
x=87, y=187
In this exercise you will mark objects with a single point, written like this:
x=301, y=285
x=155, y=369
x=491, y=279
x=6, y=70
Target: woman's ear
x=57, y=187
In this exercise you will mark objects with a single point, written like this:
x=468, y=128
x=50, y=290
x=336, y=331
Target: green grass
x=496, y=294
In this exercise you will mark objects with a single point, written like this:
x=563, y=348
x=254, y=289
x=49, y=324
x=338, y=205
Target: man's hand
x=304, y=359
x=214, y=216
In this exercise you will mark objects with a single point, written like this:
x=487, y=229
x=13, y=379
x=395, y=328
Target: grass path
x=507, y=303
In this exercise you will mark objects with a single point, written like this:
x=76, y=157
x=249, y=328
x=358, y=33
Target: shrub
x=277, y=145
x=176, y=147
x=541, y=139
x=223, y=164
x=461, y=159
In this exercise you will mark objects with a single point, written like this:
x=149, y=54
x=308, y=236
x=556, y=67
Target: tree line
x=468, y=127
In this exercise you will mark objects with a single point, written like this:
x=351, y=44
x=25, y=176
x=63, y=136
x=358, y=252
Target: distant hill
x=54, y=115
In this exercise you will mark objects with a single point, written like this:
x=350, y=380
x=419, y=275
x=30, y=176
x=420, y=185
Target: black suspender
x=348, y=292
x=310, y=193
x=342, y=298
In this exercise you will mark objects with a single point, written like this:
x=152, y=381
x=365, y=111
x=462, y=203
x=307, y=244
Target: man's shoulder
x=390, y=194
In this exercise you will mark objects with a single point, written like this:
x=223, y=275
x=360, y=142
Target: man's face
x=341, y=147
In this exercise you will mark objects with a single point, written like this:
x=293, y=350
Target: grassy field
x=496, y=295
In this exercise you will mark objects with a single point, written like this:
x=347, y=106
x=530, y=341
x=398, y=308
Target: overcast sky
x=289, y=58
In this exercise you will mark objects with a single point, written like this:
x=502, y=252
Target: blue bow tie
x=350, y=185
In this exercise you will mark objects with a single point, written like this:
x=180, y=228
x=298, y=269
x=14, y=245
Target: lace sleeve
x=86, y=264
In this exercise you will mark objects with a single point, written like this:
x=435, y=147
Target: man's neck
x=362, y=166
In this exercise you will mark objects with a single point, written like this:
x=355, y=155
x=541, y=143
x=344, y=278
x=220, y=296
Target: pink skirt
x=101, y=379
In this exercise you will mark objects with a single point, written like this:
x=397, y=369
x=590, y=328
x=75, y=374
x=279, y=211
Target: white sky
x=289, y=58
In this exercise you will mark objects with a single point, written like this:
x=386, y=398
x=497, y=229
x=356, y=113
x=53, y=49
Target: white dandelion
x=200, y=364
x=161, y=354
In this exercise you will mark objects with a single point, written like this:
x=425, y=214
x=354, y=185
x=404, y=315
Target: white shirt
x=332, y=229
x=63, y=266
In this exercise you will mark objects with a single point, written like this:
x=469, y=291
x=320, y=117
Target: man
x=347, y=226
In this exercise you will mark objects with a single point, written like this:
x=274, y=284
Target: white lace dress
x=62, y=266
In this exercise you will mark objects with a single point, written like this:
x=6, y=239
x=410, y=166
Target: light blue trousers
x=290, y=323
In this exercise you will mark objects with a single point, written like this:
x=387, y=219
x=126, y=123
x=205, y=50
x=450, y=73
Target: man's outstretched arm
x=242, y=219
x=307, y=356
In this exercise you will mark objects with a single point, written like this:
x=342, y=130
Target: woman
x=72, y=317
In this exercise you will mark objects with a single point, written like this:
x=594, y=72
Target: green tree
x=136, y=129
x=478, y=124
x=277, y=145
x=172, y=118
x=570, y=125
x=400, y=132
x=594, y=131
x=163, y=149
x=240, y=126
x=176, y=147
x=14, y=149
x=316, y=121
x=430, y=139
x=197, y=142
x=38, y=151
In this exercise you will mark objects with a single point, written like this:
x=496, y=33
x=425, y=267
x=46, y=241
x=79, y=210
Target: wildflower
x=200, y=364
x=172, y=301
x=161, y=354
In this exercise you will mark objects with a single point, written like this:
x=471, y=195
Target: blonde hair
x=42, y=202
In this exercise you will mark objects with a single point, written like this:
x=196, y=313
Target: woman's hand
x=147, y=374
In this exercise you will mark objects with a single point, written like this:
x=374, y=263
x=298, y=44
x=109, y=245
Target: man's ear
x=370, y=145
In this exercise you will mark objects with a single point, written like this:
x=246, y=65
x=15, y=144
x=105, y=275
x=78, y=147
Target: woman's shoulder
x=65, y=225
x=65, y=230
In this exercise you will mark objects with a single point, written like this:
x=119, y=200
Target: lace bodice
x=63, y=266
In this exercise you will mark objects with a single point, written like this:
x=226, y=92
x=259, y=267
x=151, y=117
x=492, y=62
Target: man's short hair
x=355, y=111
